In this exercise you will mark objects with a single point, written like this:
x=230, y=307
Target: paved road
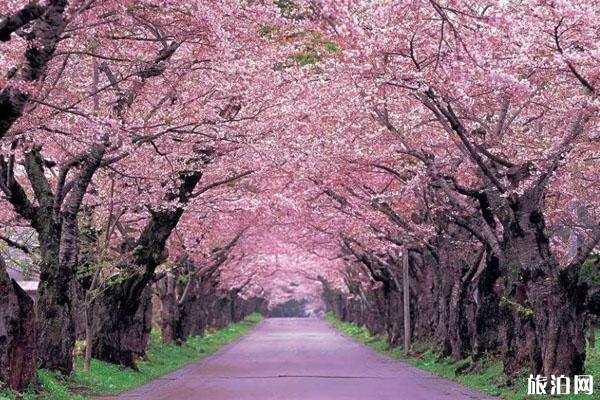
x=299, y=359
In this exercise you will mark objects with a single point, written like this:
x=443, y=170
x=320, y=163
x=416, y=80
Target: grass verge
x=109, y=379
x=487, y=376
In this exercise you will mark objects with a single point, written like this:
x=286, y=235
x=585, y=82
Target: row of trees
x=190, y=300
x=335, y=135
x=124, y=129
x=483, y=168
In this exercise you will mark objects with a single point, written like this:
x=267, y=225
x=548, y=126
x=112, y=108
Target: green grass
x=109, y=379
x=487, y=376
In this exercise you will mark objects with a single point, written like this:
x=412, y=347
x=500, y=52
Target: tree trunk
x=192, y=319
x=559, y=323
x=165, y=289
x=59, y=238
x=122, y=320
x=89, y=335
x=17, y=334
x=54, y=310
x=123, y=317
x=55, y=220
x=554, y=300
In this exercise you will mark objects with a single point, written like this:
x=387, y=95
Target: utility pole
x=405, y=291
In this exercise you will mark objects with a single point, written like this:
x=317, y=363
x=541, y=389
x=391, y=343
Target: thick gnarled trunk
x=54, y=311
x=18, y=334
x=122, y=321
x=123, y=311
x=57, y=226
x=57, y=330
x=547, y=301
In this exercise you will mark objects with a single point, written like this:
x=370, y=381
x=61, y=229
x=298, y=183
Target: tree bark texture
x=18, y=334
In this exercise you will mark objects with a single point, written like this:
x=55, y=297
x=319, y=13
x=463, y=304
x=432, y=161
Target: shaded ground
x=299, y=359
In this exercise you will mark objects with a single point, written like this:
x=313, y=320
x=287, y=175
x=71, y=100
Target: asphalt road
x=300, y=359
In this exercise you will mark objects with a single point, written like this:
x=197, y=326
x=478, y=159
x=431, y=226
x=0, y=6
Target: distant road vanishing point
x=300, y=359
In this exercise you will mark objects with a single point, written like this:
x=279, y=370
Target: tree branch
x=13, y=22
x=16, y=245
x=221, y=182
x=584, y=250
x=430, y=100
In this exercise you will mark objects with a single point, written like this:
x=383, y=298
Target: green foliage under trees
x=485, y=375
x=110, y=379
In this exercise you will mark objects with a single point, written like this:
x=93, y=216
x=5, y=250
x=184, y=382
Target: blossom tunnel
x=189, y=163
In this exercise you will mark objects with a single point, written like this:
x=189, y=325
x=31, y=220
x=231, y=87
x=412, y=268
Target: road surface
x=299, y=359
